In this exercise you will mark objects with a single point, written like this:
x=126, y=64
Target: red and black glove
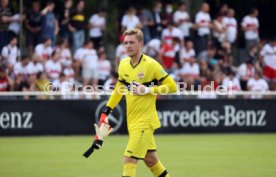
x=98, y=141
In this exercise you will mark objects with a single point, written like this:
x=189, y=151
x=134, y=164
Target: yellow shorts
x=139, y=143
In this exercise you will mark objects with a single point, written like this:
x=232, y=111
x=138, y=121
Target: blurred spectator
x=104, y=68
x=167, y=16
x=187, y=52
x=182, y=20
x=250, y=25
x=230, y=24
x=130, y=20
x=89, y=62
x=49, y=28
x=23, y=67
x=64, y=19
x=147, y=21
x=77, y=25
x=231, y=82
x=152, y=48
x=61, y=84
x=257, y=83
x=97, y=25
x=42, y=82
x=53, y=67
x=120, y=52
x=36, y=65
x=268, y=54
x=245, y=72
x=224, y=10
x=170, y=32
x=157, y=28
x=64, y=53
x=69, y=73
x=22, y=71
x=14, y=27
x=5, y=20
x=190, y=73
x=5, y=82
x=219, y=31
x=168, y=54
x=44, y=50
x=110, y=84
x=10, y=53
x=203, y=25
x=33, y=25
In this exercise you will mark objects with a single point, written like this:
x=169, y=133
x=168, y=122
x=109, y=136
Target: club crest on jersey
x=140, y=75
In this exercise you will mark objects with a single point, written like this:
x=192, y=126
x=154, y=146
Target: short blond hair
x=135, y=31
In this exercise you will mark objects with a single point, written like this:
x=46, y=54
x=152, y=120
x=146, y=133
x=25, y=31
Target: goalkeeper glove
x=101, y=132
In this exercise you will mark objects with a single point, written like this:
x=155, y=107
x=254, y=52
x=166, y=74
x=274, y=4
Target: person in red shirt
x=5, y=82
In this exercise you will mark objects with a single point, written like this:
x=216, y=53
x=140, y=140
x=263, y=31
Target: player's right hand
x=102, y=131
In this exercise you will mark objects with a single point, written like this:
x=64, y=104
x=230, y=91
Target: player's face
x=132, y=45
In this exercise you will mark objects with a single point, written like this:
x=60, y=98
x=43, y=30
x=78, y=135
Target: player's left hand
x=139, y=89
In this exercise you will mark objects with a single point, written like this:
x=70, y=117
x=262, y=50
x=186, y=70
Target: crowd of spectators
x=196, y=50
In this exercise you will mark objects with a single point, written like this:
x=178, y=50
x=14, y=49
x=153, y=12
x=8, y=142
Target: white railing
x=106, y=93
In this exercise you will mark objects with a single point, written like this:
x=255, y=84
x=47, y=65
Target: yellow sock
x=159, y=170
x=129, y=170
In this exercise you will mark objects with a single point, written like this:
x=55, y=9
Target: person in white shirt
x=23, y=68
x=69, y=73
x=10, y=53
x=130, y=20
x=152, y=48
x=110, y=84
x=187, y=52
x=170, y=32
x=104, y=68
x=97, y=25
x=231, y=82
x=64, y=53
x=182, y=20
x=258, y=84
x=36, y=65
x=203, y=25
x=190, y=72
x=89, y=61
x=231, y=26
x=120, y=52
x=53, y=67
x=268, y=54
x=250, y=26
x=44, y=50
x=14, y=26
x=245, y=72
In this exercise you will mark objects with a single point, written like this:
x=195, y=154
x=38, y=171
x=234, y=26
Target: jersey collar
x=134, y=66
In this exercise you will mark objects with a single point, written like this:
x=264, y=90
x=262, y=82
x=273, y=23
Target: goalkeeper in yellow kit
x=144, y=78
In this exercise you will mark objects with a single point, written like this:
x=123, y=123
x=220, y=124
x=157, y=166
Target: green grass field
x=220, y=155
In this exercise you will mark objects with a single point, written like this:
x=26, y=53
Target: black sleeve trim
x=124, y=82
x=163, y=174
x=151, y=83
x=107, y=110
x=163, y=78
x=137, y=158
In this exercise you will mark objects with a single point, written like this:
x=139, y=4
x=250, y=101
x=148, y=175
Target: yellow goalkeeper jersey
x=141, y=109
